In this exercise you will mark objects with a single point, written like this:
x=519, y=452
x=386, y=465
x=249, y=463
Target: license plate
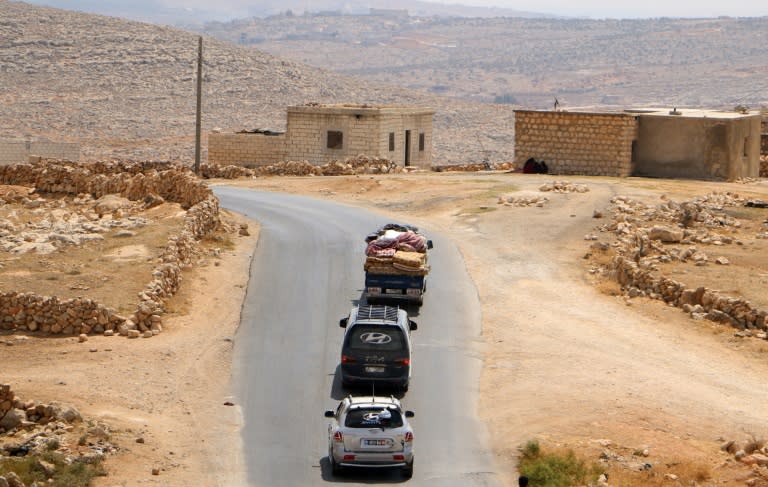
x=376, y=442
x=394, y=291
x=376, y=369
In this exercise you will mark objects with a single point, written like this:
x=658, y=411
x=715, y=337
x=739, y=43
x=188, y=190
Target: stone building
x=324, y=133
x=19, y=151
x=695, y=144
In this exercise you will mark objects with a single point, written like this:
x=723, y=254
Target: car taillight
x=398, y=457
x=408, y=436
x=338, y=437
x=403, y=361
x=349, y=458
x=346, y=359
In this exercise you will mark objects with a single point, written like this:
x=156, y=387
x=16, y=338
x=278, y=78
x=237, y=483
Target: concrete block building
x=696, y=144
x=324, y=133
x=19, y=151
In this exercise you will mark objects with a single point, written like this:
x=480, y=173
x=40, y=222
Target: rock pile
x=24, y=311
x=563, y=187
x=641, y=232
x=61, y=227
x=15, y=413
x=523, y=200
x=37, y=430
x=752, y=451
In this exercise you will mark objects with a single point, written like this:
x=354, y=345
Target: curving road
x=305, y=275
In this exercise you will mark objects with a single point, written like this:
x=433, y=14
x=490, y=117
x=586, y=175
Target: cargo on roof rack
x=396, y=265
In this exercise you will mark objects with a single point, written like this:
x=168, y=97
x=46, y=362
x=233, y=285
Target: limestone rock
x=13, y=419
x=666, y=235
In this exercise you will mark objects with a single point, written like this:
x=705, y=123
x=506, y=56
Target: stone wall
x=246, y=149
x=649, y=235
x=48, y=314
x=593, y=144
x=348, y=167
x=711, y=304
x=19, y=151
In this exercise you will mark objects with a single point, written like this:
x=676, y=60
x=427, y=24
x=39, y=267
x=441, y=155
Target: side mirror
x=343, y=322
x=329, y=414
x=412, y=325
x=429, y=244
x=409, y=414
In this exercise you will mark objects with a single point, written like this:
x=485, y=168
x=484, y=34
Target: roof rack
x=377, y=312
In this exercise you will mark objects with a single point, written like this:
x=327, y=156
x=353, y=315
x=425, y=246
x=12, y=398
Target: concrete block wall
x=398, y=123
x=308, y=138
x=593, y=144
x=18, y=151
x=13, y=152
x=246, y=149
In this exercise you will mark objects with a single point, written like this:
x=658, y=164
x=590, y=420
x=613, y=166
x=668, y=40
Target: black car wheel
x=335, y=467
x=408, y=470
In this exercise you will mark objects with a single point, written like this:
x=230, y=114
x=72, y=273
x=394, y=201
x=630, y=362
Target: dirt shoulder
x=162, y=398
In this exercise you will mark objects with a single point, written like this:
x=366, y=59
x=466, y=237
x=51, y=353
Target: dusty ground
x=565, y=362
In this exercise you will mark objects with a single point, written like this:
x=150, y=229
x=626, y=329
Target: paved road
x=306, y=274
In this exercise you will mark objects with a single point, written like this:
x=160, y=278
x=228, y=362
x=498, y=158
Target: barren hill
x=715, y=63
x=127, y=89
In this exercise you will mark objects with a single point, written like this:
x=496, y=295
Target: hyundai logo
x=375, y=338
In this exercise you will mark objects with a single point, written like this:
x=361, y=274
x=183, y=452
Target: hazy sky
x=637, y=8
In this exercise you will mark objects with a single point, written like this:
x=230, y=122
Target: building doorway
x=407, y=159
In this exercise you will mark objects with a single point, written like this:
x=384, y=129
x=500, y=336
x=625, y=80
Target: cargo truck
x=396, y=266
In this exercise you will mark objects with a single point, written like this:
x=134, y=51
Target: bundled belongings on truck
x=396, y=249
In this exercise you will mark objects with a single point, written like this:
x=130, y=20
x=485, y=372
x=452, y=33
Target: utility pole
x=199, y=100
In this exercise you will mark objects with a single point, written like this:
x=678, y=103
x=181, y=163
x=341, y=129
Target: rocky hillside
x=127, y=89
x=716, y=63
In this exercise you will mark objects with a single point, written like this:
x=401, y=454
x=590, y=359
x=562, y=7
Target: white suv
x=370, y=431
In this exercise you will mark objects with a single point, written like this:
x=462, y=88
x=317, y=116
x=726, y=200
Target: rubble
x=106, y=188
x=563, y=187
x=523, y=200
x=639, y=246
x=38, y=430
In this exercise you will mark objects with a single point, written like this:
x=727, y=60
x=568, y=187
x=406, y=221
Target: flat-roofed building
x=323, y=133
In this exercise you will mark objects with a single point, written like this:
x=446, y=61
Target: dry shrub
x=608, y=286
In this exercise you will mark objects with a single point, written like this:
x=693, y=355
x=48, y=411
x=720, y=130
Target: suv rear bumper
x=399, y=381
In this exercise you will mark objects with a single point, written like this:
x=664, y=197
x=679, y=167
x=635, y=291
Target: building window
x=335, y=139
x=391, y=141
x=421, y=142
x=746, y=146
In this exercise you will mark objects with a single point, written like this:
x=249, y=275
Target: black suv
x=376, y=347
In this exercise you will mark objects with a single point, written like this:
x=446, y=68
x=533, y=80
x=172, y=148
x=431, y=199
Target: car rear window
x=372, y=337
x=373, y=418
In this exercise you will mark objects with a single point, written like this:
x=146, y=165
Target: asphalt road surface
x=306, y=274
